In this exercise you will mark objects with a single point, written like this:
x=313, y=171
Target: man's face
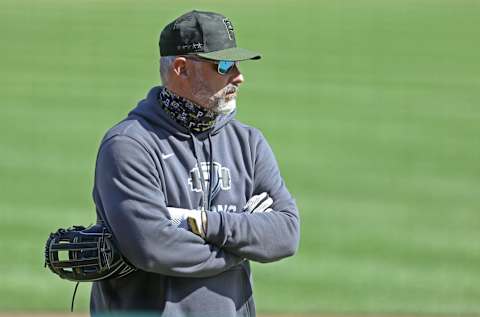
x=212, y=90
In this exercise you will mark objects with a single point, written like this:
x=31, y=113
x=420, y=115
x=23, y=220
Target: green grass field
x=372, y=108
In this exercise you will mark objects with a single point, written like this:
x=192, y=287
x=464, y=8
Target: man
x=190, y=194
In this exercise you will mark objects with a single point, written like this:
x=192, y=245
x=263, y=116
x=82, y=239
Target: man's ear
x=180, y=66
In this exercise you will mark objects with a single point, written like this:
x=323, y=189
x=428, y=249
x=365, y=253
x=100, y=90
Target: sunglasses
x=223, y=67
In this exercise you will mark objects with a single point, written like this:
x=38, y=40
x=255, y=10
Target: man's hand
x=197, y=223
x=189, y=219
x=196, y=220
x=259, y=203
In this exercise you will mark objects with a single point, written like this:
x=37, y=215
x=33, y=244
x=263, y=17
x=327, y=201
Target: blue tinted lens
x=225, y=66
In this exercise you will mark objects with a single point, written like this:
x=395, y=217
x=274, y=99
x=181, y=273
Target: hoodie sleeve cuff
x=215, y=228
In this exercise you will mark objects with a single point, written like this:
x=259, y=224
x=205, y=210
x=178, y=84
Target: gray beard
x=225, y=107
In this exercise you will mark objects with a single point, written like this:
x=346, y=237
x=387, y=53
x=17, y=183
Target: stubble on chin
x=225, y=100
x=220, y=101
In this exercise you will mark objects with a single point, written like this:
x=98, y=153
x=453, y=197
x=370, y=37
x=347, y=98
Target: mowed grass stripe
x=370, y=107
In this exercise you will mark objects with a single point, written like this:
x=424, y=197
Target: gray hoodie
x=147, y=163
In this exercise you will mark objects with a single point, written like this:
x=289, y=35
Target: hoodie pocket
x=226, y=294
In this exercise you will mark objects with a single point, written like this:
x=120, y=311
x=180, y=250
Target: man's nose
x=237, y=76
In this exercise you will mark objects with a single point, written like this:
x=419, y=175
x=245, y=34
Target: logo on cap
x=195, y=47
x=229, y=27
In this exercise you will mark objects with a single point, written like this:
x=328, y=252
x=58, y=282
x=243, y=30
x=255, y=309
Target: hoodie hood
x=150, y=110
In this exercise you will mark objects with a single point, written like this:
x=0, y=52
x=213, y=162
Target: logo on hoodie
x=221, y=179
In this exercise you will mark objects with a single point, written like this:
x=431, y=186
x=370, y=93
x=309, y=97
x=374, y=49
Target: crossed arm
x=130, y=200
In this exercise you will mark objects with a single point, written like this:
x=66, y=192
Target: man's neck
x=186, y=113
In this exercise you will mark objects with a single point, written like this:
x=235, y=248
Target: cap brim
x=231, y=54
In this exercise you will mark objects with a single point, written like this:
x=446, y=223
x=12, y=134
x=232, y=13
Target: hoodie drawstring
x=206, y=197
x=210, y=172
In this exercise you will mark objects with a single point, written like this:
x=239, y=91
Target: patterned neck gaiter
x=185, y=112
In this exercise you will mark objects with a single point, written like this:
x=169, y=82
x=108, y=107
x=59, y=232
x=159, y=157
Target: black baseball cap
x=205, y=34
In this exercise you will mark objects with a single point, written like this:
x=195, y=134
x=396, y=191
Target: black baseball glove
x=85, y=254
